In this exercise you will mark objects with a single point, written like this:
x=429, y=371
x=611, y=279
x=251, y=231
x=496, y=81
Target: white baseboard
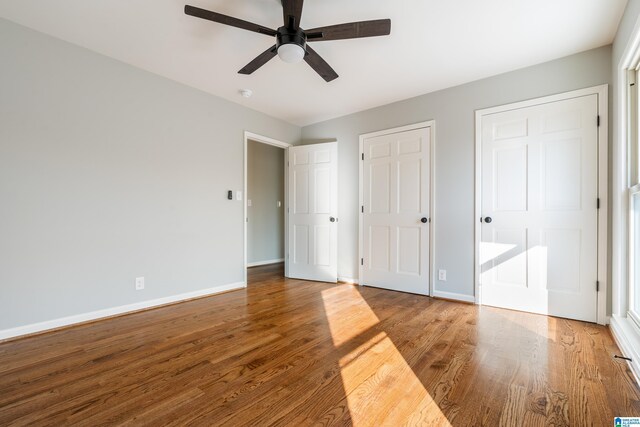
x=628, y=339
x=113, y=311
x=266, y=262
x=348, y=280
x=454, y=296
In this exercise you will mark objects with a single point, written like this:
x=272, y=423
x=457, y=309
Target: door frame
x=280, y=144
x=431, y=124
x=603, y=159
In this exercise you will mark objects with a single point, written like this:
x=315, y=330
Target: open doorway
x=265, y=207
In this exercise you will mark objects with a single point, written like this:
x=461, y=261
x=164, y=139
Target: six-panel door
x=313, y=212
x=538, y=250
x=396, y=219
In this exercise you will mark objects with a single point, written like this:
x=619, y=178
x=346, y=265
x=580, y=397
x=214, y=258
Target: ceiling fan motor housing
x=290, y=36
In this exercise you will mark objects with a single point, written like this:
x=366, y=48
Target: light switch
x=238, y=195
x=279, y=203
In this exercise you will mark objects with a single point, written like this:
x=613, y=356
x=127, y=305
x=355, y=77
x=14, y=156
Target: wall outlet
x=442, y=275
x=139, y=283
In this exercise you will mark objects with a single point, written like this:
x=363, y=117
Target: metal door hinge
x=362, y=156
x=598, y=203
x=597, y=286
x=362, y=209
x=361, y=261
x=598, y=120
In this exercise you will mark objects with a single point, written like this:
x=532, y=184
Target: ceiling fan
x=291, y=40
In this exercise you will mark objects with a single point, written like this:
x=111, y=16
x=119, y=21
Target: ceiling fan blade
x=320, y=65
x=292, y=11
x=260, y=60
x=227, y=20
x=352, y=30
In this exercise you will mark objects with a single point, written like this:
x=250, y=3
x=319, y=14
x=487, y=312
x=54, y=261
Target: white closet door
x=313, y=209
x=396, y=223
x=538, y=249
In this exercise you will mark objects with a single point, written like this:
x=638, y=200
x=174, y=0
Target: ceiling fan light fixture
x=291, y=40
x=291, y=53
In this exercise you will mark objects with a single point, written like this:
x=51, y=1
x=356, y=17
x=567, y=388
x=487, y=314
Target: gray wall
x=265, y=187
x=453, y=110
x=108, y=172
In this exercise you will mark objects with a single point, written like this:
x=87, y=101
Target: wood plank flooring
x=289, y=352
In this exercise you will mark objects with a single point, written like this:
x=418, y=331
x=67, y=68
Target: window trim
x=632, y=311
x=625, y=331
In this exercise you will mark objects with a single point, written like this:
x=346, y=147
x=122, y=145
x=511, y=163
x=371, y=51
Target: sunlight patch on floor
x=372, y=369
x=344, y=329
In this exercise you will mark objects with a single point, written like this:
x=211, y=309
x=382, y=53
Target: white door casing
x=396, y=199
x=539, y=185
x=274, y=142
x=313, y=212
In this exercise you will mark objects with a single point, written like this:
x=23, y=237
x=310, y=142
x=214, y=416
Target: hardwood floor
x=289, y=352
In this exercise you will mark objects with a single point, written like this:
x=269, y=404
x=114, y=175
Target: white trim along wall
x=432, y=202
x=603, y=156
x=265, y=262
x=48, y=325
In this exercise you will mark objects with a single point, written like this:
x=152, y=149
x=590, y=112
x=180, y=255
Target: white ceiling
x=433, y=44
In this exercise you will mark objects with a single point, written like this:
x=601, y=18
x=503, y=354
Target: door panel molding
x=313, y=185
x=379, y=154
x=602, y=173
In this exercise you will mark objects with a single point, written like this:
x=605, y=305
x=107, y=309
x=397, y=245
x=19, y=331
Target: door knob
x=488, y=220
x=332, y=219
x=424, y=220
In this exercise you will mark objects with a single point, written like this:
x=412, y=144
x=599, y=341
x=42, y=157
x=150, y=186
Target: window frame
x=632, y=146
x=623, y=325
x=633, y=312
